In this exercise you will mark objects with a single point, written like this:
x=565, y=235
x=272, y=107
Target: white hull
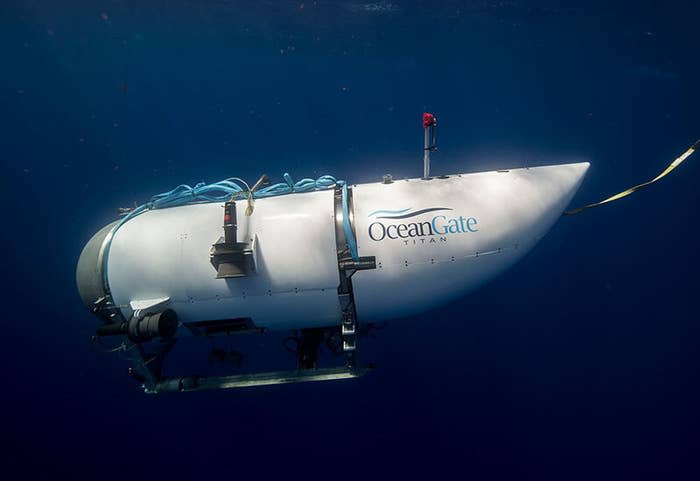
x=479, y=225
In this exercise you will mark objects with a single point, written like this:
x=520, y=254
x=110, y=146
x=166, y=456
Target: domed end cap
x=89, y=274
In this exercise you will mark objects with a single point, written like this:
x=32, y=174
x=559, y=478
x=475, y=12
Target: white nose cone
x=435, y=240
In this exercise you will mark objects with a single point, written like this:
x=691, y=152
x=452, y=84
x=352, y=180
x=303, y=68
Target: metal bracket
x=348, y=331
x=347, y=266
x=144, y=305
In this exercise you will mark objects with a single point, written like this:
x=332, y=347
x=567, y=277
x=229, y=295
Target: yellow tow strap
x=627, y=192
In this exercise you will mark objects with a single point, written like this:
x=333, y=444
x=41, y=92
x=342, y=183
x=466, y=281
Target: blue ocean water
x=582, y=362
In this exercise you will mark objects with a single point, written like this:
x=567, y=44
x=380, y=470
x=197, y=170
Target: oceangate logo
x=437, y=229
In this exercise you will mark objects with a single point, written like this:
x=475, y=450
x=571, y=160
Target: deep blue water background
x=581, y=362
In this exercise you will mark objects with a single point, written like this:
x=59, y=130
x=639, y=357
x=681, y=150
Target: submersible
x=321, y=258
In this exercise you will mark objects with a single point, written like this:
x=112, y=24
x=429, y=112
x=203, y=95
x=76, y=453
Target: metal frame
x=145, y=367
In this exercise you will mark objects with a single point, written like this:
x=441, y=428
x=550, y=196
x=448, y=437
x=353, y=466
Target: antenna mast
x=429, y=125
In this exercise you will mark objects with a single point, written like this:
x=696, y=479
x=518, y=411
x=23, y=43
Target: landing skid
x=201, y=383
x=146, y=364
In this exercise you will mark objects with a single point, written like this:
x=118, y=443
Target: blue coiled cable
x=223, y=190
